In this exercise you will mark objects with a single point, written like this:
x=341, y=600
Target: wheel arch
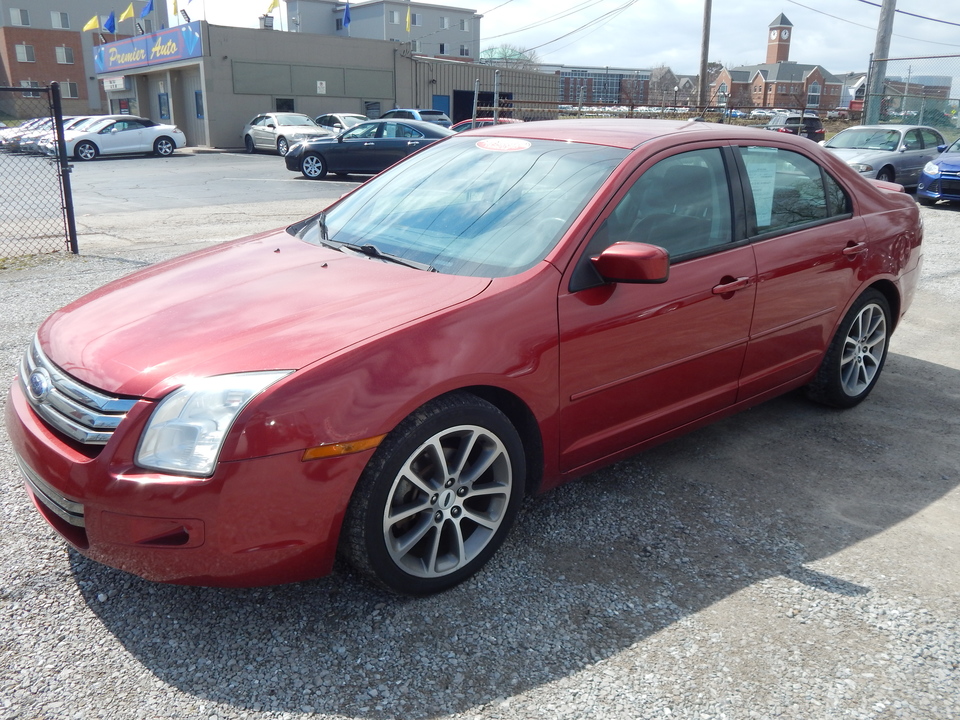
x=523, y=419
x=892, y=295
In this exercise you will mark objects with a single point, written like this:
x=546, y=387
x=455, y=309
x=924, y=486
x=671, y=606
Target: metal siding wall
x=192, y=126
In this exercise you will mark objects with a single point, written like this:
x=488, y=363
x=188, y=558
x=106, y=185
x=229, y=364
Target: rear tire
x=855, y=358
x=282, y=146
x=164, y=146
x=437, y=498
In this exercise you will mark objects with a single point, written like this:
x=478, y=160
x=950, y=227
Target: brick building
x=779, y=82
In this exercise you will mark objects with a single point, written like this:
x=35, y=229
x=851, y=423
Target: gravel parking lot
x=789, y=562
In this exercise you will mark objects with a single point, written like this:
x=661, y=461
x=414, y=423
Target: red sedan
x=497, y=314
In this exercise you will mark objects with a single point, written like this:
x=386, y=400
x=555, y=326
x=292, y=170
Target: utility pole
x=878, y=69
x=704, y=52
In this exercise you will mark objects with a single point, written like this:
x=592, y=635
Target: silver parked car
x=278, y=131
x=895, y=153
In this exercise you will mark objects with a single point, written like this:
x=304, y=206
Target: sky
x=840, y=35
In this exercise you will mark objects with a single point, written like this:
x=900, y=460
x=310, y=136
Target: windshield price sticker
x=503, y=144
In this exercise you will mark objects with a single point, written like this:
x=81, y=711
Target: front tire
x=313, y=167
x=886, y=174
x=925, y=201
x=855, y=358
x=438, y=497
x=282, y=146
x=86, y=151
x=164, y=147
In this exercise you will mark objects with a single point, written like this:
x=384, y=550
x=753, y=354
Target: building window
x=69, y=90
x=813, y=97
x=416, y=19
x=465, y=25
x=60, y=20
x=464, y=51
x=25, y=53
x=64, y=55
x=339, y=24
x=393, y=17
x=443, y=48
x=18, y=17
x=415, y=46
x=30, y=84
x=444, y=23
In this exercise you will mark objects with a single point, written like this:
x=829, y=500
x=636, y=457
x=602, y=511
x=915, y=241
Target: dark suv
x=796, y=124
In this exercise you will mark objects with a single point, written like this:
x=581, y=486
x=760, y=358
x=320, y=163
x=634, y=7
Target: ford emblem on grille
x=40, y=384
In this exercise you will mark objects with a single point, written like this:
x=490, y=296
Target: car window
x=362, y=131
x=401, y=131
x=681, y=204
x=912, y=140
x=788, y=189
x=866, y=139
x=931, y=139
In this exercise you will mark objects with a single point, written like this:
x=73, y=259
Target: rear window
x=431, y=113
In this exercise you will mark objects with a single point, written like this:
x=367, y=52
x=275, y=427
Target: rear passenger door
x=808, y=249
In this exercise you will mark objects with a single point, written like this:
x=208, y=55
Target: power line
x=904, y=12
x=872, y=28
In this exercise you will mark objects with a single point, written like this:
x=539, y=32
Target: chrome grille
x=77, y=410
x=63, y=507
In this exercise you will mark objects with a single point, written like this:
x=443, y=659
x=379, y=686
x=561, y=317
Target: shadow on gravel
x=591, y=568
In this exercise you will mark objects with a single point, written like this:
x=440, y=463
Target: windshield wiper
x=369, y=250
x=375, y=252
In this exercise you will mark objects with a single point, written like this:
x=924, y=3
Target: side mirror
x=630, y=262
x=941, y=148
x=271, y=126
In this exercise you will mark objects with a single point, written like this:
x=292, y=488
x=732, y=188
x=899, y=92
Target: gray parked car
x=278, y=131
x=895, y=153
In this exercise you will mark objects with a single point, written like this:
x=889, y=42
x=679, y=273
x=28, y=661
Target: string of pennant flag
x=110, y=24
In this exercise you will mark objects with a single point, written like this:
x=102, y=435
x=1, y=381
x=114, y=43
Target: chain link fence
x=36, y=207
x=915, y=91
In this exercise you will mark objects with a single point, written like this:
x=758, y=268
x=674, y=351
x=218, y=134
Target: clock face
x=773, y=34
x=784, y=34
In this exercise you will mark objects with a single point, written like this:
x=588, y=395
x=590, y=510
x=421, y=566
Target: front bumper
x=261, y=521
x=946, y=186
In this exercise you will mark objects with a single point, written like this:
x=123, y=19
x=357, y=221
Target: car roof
x=902, y=128
x=418, y=124
x=619, y=132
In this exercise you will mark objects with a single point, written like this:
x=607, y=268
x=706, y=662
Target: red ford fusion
x=497, y=314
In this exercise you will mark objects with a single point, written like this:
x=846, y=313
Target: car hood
x=267, y=302
x=858, y=155
x=949, y=162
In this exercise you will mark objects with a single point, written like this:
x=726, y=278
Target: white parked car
x=121, y=135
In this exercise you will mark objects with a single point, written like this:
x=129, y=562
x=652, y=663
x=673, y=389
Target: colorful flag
x=175, y=10
x=128, y=13
x=92, y=24
x=111, y=24
x=346, y=16
x=408, y=19
x=273, y=6
x=147, y=10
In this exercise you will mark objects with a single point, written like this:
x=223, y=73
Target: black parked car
x=808, y=126
x=365, y=149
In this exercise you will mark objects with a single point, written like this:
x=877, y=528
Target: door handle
x=730, y=285
x=413, y=142
x=367, y=144
x=855, y=249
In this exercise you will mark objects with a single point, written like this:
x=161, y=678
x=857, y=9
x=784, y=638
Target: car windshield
x=484, y=207
x=955, y=148
x=99, y=124
x=866, y=139
x=295, y=120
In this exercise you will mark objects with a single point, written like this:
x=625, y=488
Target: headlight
x=861, y=168
x=297, y=137
x=186, y=431
x=931, y=169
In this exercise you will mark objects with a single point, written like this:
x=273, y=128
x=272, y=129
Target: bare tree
x=511, y=56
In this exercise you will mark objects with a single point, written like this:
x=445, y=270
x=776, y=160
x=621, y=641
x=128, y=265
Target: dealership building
x=210, y=79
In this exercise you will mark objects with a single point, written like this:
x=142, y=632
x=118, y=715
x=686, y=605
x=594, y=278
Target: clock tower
x=779, y=35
